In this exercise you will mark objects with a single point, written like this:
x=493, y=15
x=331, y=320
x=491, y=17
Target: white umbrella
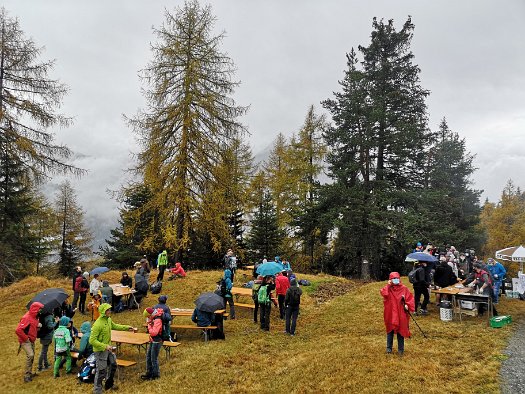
x=514, y=253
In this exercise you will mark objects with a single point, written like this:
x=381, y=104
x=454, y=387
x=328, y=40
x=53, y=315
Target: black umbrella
x=50, y=298
x=209, y=302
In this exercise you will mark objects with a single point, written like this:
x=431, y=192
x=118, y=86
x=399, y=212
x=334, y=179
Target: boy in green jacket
x=62, y=345
x=100, y=339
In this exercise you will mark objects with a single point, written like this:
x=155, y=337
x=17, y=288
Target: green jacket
x=100, y=336
x=162, y=258
x=62, y=336
x=85, y=348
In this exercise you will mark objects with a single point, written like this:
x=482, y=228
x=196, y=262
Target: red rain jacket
x=28, y=326
x=396, y=318
x=281, y=285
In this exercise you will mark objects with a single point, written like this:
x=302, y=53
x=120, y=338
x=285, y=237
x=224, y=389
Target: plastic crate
x=500, y=321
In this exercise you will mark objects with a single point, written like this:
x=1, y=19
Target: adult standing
x=422, y=281
x=444, y=276
x=162, y=263
x=498, y=272
x=48, y=321
x=230, y=262
x=281, y=286
x=228, y=297
x=146, y=268
x=95, y=285
x=76, y=274
x=397, y=303
x=26, y=331
x=100, y=339
x=292, y=301
x=82, y=286
x=265, y=301
x=483, y=284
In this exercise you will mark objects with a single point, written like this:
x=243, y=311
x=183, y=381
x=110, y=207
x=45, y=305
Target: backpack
x=156, y=287
x=78, y=284
x=262, y=295
x=43, y=331
x=255, y=292
x=295, y=296
x=304, y=282
x=86, y=373
x=166, y=331
x=222, y=287
x=119, y=307
x=412, y=276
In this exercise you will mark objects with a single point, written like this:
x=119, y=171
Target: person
x=255, y=290
x=85, y=349
x=444, y=276
x=146, y=268
x=162, y=263
x=107, y=293
x=286, y=265
x=228, y=297
x=483, y=285
x=398, y=302
x=166, y=317
x=281, y=286
x=125, y=280
x=100, y=339
x=45, y=333
x=26, y=331
x=177, y=271
x=66, y=309
x=76, y=294
x=206, y=319
x=154, y=326
x=63, y=340
x=95, y=285
x=419, y=247
x=230, y=262
x=292, y=300
x=498, y=272
x=421, y=286
x=82, y=287
x=265, y=299
x=141, y=284
x=94, y=304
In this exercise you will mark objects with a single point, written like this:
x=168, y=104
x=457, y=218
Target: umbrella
x=514, y=253
x=420, y=256
x=99, y=270
x=269, y=268
x=50, y=298
x=209, y=302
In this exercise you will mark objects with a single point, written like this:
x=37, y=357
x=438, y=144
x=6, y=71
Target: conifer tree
x=29, y=101
x=190, y=119
x=265, y=236
x=75, y=238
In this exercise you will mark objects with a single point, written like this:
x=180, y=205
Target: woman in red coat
x=398, y=301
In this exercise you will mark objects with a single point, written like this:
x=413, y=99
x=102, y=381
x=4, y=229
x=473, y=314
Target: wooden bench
x=120, y=363
x=167, y=345
x=241, y=305
x=192, y=327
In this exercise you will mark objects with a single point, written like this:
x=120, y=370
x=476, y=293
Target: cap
x=163, y=299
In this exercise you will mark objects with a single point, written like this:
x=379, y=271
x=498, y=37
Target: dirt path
x=513, y=369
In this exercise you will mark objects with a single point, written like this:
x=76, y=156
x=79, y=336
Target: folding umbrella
x=50, y=298
x=269, y=268
x=420, y=256
x=209, y=302
x=99, y=270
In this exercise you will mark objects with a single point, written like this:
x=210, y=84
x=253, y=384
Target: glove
x=496, y=276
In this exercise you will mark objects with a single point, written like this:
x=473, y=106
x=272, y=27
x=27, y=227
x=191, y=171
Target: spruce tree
x=265, y=236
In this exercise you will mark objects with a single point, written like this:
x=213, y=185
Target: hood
x=64, y=321
x=105, y=283
x=85, y=328
x=157, y=312
x=227, y=274
x=293, y=282
x=164, y=253
x=394, y=275
x=34, y=308
x=103, y=308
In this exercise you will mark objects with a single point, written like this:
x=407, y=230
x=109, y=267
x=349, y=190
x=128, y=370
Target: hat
x=147, y=312
x=137, y=264
x=419, y=244
x=163, y=299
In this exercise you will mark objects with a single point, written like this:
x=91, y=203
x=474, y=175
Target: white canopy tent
x=513, y=253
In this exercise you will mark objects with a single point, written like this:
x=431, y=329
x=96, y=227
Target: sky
x=288, y=55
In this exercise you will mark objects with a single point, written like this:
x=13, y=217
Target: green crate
x=500, y=321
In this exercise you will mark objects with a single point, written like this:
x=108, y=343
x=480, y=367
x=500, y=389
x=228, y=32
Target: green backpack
x=262, y=295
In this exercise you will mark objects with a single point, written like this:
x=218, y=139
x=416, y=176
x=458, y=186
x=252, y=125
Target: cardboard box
x=468, y=304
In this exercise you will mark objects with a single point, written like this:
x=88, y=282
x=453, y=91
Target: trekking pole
x=407, y=311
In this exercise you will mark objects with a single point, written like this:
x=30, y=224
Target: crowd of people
x=57, y=328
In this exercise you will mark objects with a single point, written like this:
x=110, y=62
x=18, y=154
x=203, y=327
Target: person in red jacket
x=154, y=325
x=26, y=332
x=398, y=302
x=281, y=285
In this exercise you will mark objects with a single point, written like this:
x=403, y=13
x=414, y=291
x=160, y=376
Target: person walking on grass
x=228, y=297
x=45, y=333
x=162, y=263
x=63, y=341
x=264, y=296
x=398, y=302
x=281, y=286
x=100, y=339
x=292, y=300
x=26, y=331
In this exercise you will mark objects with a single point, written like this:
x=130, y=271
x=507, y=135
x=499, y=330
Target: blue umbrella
x=269, y=268
x=420, y=256
x=99, y=270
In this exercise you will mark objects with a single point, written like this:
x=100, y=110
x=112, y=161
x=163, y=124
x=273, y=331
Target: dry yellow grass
x=339, y=347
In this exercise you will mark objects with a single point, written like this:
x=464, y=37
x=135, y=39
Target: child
x=398, y=301
x=85, y=349
x=154, y=325
x=63, y=341
x=93, y=306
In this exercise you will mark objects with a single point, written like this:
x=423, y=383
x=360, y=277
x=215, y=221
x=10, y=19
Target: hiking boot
x=27, y=379
x=388, y=351
x=423, y=312
x=145, y=377
x=400, y=354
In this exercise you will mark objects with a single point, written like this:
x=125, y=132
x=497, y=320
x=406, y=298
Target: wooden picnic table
x=189, y=312
x=125, y=291
x=241, y=291
x=138, y=339
x=250, y=267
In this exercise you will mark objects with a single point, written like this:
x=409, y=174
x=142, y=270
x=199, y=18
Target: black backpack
x=86, y=373
x=156, y=287
x=43, y=331
x=412, y=276
x=295, y=296
x=222, y=287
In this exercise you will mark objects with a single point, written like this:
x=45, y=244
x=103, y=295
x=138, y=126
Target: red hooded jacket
x=281, y=285
x=155, y=325
x=396, y=318
x=28, y=326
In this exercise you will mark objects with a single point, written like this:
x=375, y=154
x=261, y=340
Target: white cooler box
x=468, y=304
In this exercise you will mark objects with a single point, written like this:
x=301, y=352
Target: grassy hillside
x=339, y=346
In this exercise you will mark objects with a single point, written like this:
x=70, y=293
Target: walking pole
x=406, y=310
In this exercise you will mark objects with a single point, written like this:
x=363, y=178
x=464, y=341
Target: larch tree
x=29, y=103
x=75, y=238
x=190, y=119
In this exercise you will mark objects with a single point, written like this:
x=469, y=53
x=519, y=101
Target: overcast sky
x=289, y=55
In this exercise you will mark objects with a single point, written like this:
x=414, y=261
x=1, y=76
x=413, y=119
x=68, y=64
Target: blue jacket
x=497, y=271
x=203, y=319
x=229, y=283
